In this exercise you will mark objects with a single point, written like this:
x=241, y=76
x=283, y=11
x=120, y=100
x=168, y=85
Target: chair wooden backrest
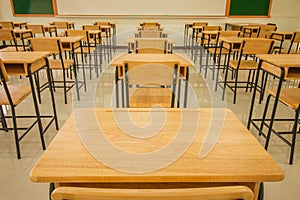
x=151, y=45
x=200, y=24
x=102, y=23
x=7, y=25
x=150, y=25
x=91, y=27
x=7, y=36
x=250, y=31
x=60, y=25
x=294, y=46
x=155, y=74
x=149, y=34
x=212, y=28
x=229, y=33
x=52, y=45
x=207, y=193
x=253, y=46
x=266, y=30
x=82, y=33
x=36, y=29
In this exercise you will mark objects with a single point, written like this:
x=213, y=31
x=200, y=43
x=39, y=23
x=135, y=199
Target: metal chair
x=58, y=62
x=246, y=61
x=289, y=97
x=87, y=48
x=13, y=95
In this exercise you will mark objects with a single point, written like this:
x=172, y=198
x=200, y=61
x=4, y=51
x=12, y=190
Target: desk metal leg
x=52, y=95
x=274, y=108
x=179, y=92
x=83, y=68
x=117, y=87
x=186, y=87
x=253, y=96
x=122, y=90
x=36, y=106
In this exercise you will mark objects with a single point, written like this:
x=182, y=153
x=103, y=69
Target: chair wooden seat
x=207, y=193
x=288, y=96
x=244, y=64
x=18, y=94
x=56, y=64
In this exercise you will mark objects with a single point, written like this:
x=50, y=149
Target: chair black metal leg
x=294, y=132
x=15, y=125
x=3, y=120
x=65, y=86
x=264, y=115
x=235, y=86
x=261, y=192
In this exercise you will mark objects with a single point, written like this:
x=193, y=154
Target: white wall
x=284, y=13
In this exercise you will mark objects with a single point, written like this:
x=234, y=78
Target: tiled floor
x=14, y=173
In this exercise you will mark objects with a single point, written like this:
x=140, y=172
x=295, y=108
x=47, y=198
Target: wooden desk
x=96, y=38
x=132, y=43
x=233, y=43
x=160, y=34
x=20, y=25
x=187, y=27
x=239, y=26
x=283, y=66
x=70, y=44
x=50, y=29
x=281, y=37
x=63, y=25
x=196, y=34
x=27, y=63
x=23, y=34
x=237, y=158
x=184, y=60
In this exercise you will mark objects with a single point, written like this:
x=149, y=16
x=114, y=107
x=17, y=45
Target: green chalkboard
x=249, y=7
x=33, y=7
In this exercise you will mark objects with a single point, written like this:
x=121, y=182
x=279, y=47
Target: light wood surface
x=209, y=193
x=289, y=96
x=16, y=63
x=290, y=62
x=183, y=59
x=237, y=156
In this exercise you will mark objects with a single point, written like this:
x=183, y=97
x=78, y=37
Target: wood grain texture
x=209, y=193
x=236, y=158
